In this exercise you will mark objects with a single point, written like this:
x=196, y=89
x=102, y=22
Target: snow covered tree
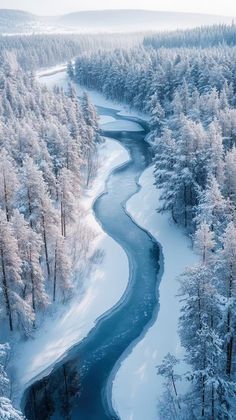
x=7, y=411
x=8, y=183
x=167, y=371
x=29, y=245
x=216, y=152
x=37, y=205
x=226, y=269
x=70, y=70
x=89, y=113
x=157, y=113
x=17, y=310
x=213, y=208
x=66, y=194
x=230, y=175
x=62, y=277
x=228, y=124
x=204, y=242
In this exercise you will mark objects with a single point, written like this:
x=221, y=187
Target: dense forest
x=190, y=96
x=48, y=155
x=35, y=51
x=201, y=37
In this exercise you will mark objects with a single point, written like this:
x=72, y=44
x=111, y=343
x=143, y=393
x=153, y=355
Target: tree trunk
x=6, y=198
x=175, y=390
x=64, y=225
x=199, y=308
x=173, y=214
x=185, y=207
x=62, y=220
x=55, y=275
x=5, y=292
x=203, y=382
x=45, y=246
x=229, y=346
x=30, y=209
x=32, y=283
x=24, y=291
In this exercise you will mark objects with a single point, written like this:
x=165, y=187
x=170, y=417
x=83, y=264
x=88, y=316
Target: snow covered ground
x=103, y=289
x=136, y=387
x=53, y=70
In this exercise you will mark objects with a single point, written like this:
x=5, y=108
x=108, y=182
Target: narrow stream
x=77, y=387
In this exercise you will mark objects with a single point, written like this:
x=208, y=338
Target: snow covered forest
x=184, y=84
x=40, y=50
x=48, y=154
x=189, y=91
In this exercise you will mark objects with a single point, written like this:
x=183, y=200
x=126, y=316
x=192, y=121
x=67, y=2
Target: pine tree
x=204, y=242
x=70, y=70
x=30, y=245
x=167, y=371
x=213, y=208
x=227, y=269
x=62, y=282
x=37, y=206
x=89, y=113
x=230, y=175
x=17, y=309
x=8, y=183
x=7, y=411
x=66, y=194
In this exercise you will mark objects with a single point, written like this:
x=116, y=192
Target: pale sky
x=55, y=7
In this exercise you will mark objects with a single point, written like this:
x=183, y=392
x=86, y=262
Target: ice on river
x=104, y=119
x=121, y=125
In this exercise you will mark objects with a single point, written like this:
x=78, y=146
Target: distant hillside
x=139, y=19
x=15, y=20
x=12, y=21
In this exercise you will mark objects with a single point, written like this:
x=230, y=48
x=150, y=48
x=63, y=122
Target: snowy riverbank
x=103, y=289
x=136, y=387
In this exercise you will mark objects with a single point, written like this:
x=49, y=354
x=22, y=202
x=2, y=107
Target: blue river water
x=78, y=388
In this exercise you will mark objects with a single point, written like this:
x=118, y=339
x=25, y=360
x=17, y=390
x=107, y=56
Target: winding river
x=79, y=387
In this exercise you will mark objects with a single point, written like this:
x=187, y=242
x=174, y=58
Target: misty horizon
x=52, y=8
x=17, y=9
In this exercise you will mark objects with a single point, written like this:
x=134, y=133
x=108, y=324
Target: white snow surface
x=136, y=387
x=109, y=123
x=104, y=288
x=122, y=125
x=53, y=70
x=104, y=119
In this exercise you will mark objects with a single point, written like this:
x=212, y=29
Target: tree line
x=43, y=50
